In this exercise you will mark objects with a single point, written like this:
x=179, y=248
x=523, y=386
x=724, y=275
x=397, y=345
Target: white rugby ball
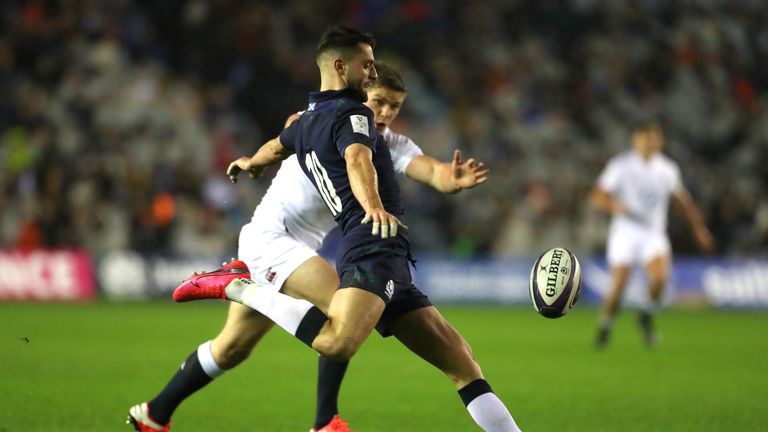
x=555, y=282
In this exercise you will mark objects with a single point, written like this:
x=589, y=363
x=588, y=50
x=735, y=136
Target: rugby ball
x=555, y=282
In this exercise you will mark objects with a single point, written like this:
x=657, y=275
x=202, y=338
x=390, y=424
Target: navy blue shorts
x=388, y=276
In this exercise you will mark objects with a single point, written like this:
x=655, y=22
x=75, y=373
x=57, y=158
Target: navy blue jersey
x=333, y=121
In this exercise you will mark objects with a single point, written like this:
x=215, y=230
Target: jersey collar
x=650, y=160
x=350, y=93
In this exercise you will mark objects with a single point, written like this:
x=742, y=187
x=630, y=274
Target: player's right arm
x=605, y=202
x=364, y=184
x=268, y=154
x=601, y=196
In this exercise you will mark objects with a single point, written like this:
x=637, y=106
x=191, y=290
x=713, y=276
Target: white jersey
x=643, y=186
x=292, y=204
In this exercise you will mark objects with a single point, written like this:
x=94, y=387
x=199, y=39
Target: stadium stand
x=118, y=118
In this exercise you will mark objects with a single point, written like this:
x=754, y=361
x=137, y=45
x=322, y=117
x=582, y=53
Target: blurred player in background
x=279, y=247
x=635, y=188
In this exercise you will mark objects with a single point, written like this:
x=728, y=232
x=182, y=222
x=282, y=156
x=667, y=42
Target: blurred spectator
x=118, y=118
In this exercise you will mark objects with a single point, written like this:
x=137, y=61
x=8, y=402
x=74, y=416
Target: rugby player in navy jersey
x=278, y=250
x=340, y=150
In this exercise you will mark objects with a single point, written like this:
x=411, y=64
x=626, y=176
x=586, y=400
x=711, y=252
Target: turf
x=79, y=367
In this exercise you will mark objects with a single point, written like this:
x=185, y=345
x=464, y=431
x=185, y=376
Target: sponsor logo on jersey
x=359, y=124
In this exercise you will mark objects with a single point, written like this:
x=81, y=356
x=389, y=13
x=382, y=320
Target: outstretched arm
x=268, y=154
x=364, y=184
x=447, y=177
x=695, y=220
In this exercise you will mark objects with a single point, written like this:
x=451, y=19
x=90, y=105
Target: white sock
x=285, y=311
x=606, y=322
x=491, y=415
x=207, y=362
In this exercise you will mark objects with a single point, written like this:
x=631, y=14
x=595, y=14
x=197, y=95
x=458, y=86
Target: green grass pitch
x=79, y=367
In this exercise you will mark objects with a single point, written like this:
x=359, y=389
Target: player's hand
x=467, y=174
x=382, y=223
x=704, y=239
x=242, y=164
x=618, y=208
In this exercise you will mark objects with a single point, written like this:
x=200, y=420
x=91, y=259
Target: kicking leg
x=425, y=332
x=352, y=312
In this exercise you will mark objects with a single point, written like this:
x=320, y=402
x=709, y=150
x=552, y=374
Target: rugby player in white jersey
x=279, y=247
x=635, y=188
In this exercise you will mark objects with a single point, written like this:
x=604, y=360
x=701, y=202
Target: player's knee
x=335, y=349
x=233, y=352
x=658, y=281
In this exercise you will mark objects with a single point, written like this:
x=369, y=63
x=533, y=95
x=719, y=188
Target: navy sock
x=310, y=325
x=329, y=377
x=478, y=387
x=189, y=379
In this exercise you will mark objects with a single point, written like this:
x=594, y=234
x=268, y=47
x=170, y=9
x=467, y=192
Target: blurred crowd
x=118, y=118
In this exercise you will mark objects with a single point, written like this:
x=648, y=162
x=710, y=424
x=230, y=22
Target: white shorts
x=272, y=256
x=628, y=245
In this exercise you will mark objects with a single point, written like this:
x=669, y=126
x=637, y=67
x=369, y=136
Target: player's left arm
x=268, y=154
x=693, y=215
x=447, y=177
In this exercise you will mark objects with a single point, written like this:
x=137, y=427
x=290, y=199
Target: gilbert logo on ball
x=555, y=282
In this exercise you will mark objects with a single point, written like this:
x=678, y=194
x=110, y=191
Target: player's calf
x=242, y=332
